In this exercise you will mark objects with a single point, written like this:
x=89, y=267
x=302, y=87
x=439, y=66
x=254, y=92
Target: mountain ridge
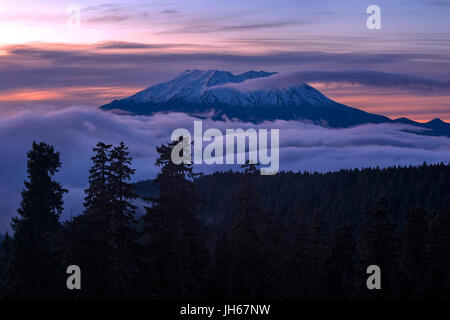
x=253, y=96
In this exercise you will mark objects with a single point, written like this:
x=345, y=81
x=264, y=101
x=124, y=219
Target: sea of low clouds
x=303, y=147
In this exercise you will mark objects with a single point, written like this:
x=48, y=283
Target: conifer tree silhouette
x=177, y=261
x=35, y=270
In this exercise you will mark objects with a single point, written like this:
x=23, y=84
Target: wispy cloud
x=209, y=28
x=137, y=45
x=113, y=12
x=362, y=77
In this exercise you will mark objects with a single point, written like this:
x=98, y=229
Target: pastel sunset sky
x=401, y=70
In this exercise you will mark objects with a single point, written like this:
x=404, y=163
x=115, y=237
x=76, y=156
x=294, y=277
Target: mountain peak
x=214, y=77
x=191, y=84
x=250, y=96
x=438, y=125
x=436, y=121
x=253, y=96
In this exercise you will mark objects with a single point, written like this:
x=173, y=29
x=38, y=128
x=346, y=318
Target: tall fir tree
x=245, y=238
x=6, y=247
x=177, y=259
x=98, y=198
x=103, y=240
x=88, y=236
x=124, y=234
x=35, y=270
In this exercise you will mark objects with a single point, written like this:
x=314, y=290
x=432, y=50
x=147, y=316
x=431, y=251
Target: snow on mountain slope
x=253, y=96
x=222, y=87
x=239, y=95
x=192, y=85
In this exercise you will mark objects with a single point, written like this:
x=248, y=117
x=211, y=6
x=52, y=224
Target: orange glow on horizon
x=392, y=103
x=95, y=93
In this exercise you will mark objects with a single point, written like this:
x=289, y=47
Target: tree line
x=228, y=235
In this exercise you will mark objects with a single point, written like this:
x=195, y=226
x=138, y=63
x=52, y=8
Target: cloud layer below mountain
x=74, y=131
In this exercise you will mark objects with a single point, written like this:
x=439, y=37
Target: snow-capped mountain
x=253, y=96
x=192, y=86
x=218, y=87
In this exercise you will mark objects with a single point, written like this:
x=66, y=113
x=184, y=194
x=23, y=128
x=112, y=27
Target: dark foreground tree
x=176, y=261
x=376, y=246
x=317, y=255
x=246, y=244
x=413, y=260
x=265, y=245
x=5, y=258
x=220, y=281
x=88, y=235
x=35, y=270
x=124, y=235
x=438, y=254
x=292, y=272
x=340, y=265
x=103, y=240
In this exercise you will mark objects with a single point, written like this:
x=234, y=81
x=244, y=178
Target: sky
x=48, y=59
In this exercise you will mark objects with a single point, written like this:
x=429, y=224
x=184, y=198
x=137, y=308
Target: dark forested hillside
x=312, y=236
x=341, y=196
x=292, y=236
